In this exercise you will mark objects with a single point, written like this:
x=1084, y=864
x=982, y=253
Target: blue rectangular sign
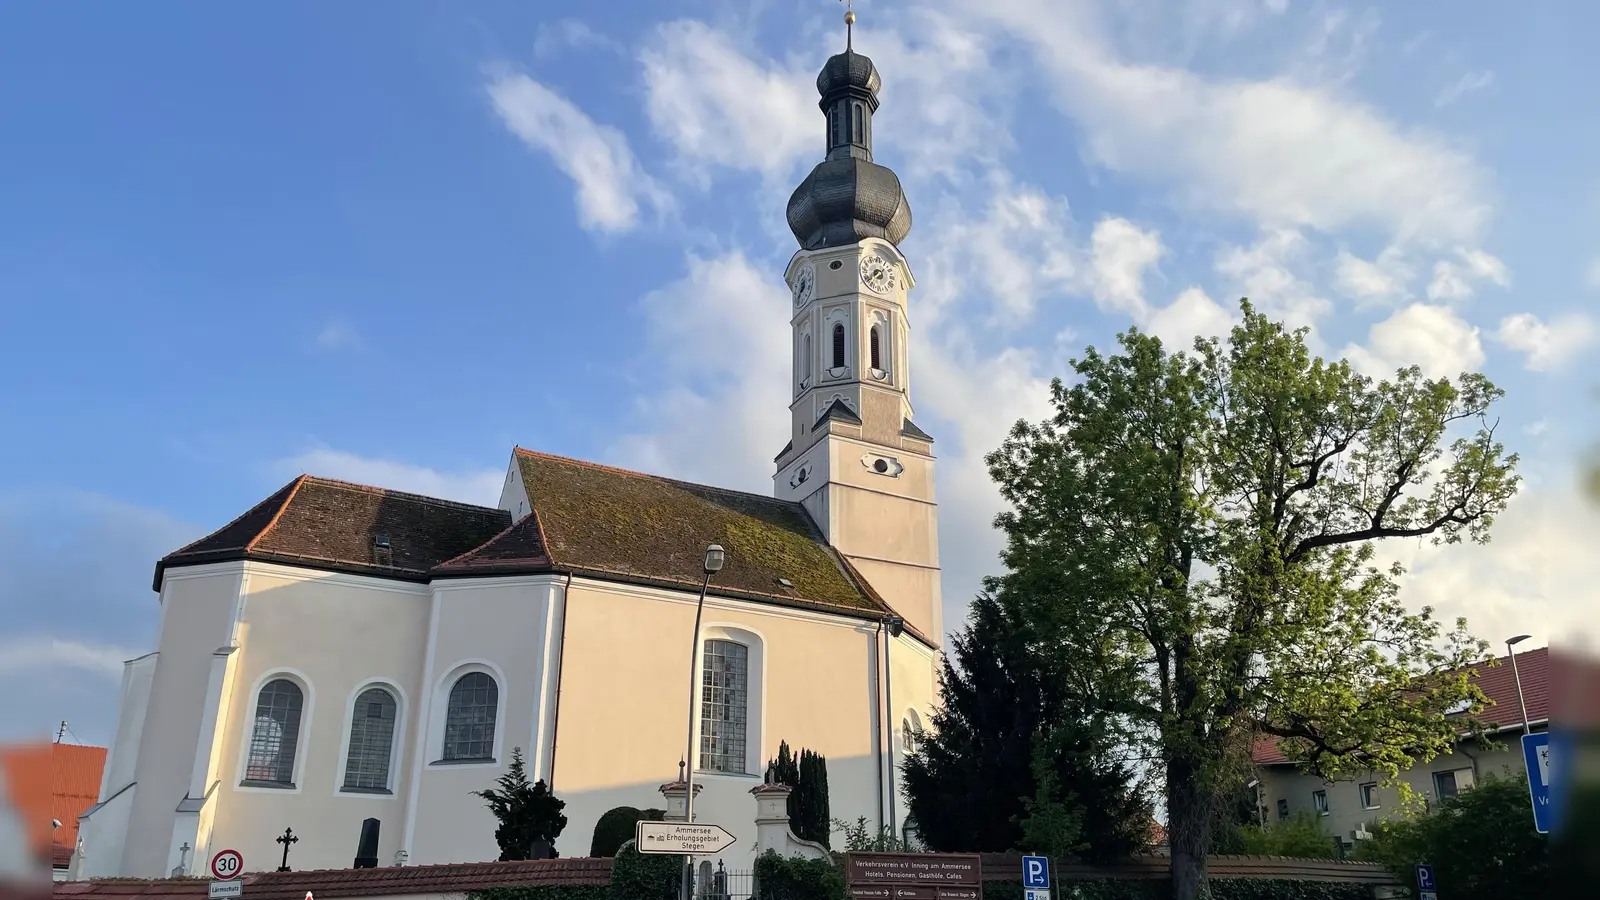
x=1536, y=755
x=1425, y=880
x=1035, y=872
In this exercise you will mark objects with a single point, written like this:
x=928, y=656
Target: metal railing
x=719, y=883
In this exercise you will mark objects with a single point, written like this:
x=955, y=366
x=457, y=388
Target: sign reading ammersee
x=914, y=876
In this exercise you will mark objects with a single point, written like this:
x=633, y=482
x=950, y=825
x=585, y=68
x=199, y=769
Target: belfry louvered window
x=366, y=765
x=857, y=125
x=838, y=346
x=469, y=719
x=724, y=706
x=877, y=354
x=276, y=734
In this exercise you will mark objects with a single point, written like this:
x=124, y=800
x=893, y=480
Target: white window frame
x=755, y=699
x=1368, y=793
x=1319, y=801
x=396, y=758
x=302, y=747
x=441, y=712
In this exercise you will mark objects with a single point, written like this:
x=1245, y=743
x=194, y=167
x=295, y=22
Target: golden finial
x=849, y=23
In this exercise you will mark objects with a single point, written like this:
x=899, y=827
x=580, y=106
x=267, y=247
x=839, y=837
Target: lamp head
x=1510, y=642
x=715, y=557
x=896, y=625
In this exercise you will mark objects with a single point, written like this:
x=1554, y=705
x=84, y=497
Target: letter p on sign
x=1035, y=872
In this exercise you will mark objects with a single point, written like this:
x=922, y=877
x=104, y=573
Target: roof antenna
x=61, y=732
x=849, y=25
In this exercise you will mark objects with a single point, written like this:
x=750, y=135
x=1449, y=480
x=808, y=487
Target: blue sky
x=236, y=245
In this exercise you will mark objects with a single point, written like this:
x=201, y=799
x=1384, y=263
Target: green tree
x=617, y=826
x=530, y=816
x=1481, y=844
x=1196, y=534
x=1015, y=760
x=807, y=775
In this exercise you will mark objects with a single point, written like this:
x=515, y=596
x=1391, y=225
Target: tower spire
x=849, y=25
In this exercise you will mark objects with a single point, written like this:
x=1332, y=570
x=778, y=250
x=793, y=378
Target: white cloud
x=1265, y=272
x=1466, y=84
x=611, y=186
x=1381, y=279
x=480, y=486
x=1284, y=153
x=715, y=105
x=1431, y=337
x=554, y=37
x=1456, y=279
x=337, y=335
x=49, y=655
x=1192, y=314
x=1546, y=346
x=1013, y=253
x=1121, y=252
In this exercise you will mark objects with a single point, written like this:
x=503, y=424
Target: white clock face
x=877, y=274
x=804, y=285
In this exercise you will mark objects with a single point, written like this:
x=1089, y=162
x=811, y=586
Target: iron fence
x=719, y=883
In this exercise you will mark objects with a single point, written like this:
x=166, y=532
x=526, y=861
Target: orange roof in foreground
x=51, y=781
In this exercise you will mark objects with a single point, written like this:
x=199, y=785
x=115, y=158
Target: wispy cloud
x=337, y=336
x=1547, y=346
x=1466, y=84
x=45, y=654
x=480, y=486
x=573, y=34
x=611, y=186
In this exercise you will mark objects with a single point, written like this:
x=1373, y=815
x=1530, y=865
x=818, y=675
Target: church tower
x=855, y=459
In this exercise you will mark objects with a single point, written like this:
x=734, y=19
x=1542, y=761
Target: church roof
x=614, y=524
x=347, y=527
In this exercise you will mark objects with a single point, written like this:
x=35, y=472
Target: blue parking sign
x=1035, y=872
x=1425, y=880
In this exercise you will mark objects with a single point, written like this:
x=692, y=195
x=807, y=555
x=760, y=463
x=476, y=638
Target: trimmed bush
x=798, y=878
x=640, y=876
x=616, y=828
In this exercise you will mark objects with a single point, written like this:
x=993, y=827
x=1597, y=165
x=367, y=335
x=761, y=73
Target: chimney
x=367, y=852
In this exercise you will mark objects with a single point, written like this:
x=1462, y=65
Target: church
x=340, y=651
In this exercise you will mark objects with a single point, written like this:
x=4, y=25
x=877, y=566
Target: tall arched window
x=857, y=126
x=877, y=354
x=276, y=734
x=835, y=128
x=805, y=360
x=470, y=717
x=724, y=706
x=838, y=345
x=372, y=723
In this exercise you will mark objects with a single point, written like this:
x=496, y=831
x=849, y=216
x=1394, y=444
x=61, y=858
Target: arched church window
x=724, y=706
x=366, y=766
x=835, y=128
x=276, y=735
x=857, y=127
x=876, y=352
x=838, y=346
x=805, y=361
x=470, y=717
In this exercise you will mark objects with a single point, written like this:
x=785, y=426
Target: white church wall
x=333, y=635
x=498, y=626
x=623, y=721
x=197, y=615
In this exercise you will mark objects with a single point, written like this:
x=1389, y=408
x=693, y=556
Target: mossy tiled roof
x=326, y=524
x=613, y=523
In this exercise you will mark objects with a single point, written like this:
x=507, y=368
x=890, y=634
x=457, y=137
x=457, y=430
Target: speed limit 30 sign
x=227, y=865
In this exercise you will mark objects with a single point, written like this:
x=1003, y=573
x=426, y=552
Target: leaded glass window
x=366, y=765
x=724, y=706
x=276, y=734
x=470, y=718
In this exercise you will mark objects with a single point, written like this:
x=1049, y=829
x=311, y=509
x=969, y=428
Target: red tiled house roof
x=47, y=782
x=380, y=882
x=586, y=519
x=1498, y=683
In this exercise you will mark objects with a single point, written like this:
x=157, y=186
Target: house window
x=876, y=353
x=470, y=717
x=276, y=735
x=1319, y=802
x=1283, y=809
x=838, y=345
x=366, y=764
x=724, y=706
x=1447, y=784
x=1369, y=795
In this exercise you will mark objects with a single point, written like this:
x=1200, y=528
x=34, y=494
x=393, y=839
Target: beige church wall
x=623, y=720
x=335, y=635
x=513, y=492
x=912, y=591
x=197, y=608
x=498, y=626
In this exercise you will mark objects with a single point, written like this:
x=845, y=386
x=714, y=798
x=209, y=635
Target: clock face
x=804, y=285
x=877, y=274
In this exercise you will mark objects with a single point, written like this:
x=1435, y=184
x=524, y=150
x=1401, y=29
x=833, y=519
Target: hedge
x=797, y=878
x=545, y=892
x=641, y=876
x=1221, y=889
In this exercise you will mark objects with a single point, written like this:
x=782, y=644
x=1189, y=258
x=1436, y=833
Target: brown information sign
x=914, y=876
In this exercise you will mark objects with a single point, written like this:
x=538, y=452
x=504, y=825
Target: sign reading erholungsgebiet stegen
x=914, y=876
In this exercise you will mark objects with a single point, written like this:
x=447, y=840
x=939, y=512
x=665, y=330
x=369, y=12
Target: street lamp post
x=896, y=625
x=715, y=557
x=1511, y=644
